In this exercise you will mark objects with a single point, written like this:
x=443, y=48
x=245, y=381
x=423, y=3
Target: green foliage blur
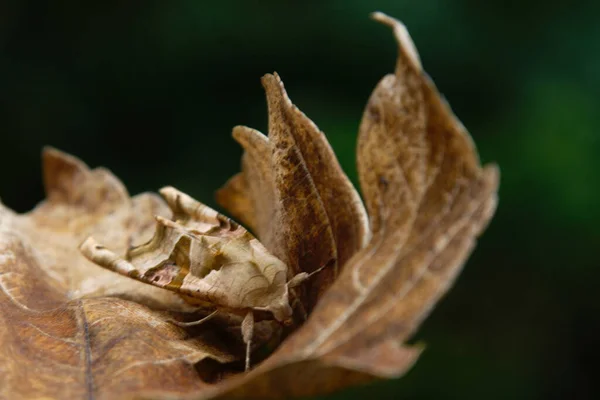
x=151, y=90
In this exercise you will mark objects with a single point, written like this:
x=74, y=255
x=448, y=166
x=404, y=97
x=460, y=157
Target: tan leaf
x=93, y=333
x=428, y=199
x=81, y=201
x=307, y=211
x=56, y=344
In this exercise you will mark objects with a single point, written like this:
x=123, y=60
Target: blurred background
x=151, y=90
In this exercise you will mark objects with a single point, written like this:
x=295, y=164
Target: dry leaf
x=307, y=211
x=71, y=329
x=55, y=344
x=428, y=199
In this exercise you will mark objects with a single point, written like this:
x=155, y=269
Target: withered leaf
x=307, y=211
x=427, y=197
x=56, y=344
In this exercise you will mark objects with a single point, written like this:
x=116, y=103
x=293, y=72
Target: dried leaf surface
x=72, y=329
x=428, y=199
x=56, y=344
x=307, y=211
x=80, y=202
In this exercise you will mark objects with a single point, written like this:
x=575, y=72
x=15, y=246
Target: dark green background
x=151, y=90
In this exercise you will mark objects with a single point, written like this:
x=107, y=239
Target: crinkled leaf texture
x=73, y=330
x=70, y=329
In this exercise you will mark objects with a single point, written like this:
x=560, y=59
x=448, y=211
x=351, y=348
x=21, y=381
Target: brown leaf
x=253, y=189
x=307, y=211
x=428, y=199
x=79, y=202
x=55, y=344
x=72, y=329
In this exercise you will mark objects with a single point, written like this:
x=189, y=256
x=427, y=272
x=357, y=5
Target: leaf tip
x=61, y=171
x=273, y=84
x=493, y=172
x=272, y=77
x=167, y=191
x=492, y=175
x=405, y=42
x=243, y=134
x=382, y=17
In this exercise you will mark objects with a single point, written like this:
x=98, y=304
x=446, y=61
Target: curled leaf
x=72, y=329
x=428, y=199
x=56, y=343
x=307, y=210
